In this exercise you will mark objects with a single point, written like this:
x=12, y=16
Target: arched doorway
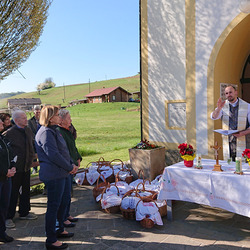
x=245, y=81
x=226, y=65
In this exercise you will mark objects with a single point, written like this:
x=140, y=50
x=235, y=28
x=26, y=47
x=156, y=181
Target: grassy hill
x=56, y=95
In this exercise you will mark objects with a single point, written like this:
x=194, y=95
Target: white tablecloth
x=203, y=186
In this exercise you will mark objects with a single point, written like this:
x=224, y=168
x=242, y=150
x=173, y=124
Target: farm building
x=189, y=50
x=23, y=103
x=113, y=94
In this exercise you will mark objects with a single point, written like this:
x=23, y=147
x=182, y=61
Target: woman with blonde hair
x=55, y=166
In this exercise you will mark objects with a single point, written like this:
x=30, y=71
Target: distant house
x=114, y=94
x=23, y=103
x=77, y=101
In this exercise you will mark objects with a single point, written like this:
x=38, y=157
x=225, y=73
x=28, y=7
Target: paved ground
x=194, y=227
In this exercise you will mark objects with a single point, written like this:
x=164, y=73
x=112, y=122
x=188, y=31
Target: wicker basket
x=147, y=222
x=129, y=178
x=163, y=210
x=148, y=198
x=129, y=213
x=114, y=209
x=97, y=190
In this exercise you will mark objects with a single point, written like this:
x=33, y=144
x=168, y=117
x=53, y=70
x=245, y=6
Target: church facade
x=190, y=50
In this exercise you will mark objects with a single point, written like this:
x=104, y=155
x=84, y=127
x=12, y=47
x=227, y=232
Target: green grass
x=56, y=95
x=106, y=130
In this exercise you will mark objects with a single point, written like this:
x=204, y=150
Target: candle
x=238, y=162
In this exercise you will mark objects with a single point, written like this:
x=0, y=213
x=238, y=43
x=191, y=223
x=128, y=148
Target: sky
x=82, y=41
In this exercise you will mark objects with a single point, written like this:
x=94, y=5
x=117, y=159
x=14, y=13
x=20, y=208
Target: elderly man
x=33, y=124
x=20, y=137
x=235, y=115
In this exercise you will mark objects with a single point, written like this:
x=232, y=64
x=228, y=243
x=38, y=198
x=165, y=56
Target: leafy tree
x=21, y=25
x=47, y=84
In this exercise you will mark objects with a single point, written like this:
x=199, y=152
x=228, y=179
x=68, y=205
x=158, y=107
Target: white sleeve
x=248, y=114
x=221, y=113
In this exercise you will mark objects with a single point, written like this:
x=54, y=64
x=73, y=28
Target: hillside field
x=63, y=95
x=106, y=130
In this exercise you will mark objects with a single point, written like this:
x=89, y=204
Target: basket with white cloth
x=148, y=214
x=110, y=199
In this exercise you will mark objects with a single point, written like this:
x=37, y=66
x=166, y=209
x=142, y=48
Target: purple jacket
x=53, y=154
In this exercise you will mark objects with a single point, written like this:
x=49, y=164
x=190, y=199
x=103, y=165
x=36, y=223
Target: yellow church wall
x=226, y=61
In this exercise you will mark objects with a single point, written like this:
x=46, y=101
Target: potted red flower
x=187, y=153
x=246, y=155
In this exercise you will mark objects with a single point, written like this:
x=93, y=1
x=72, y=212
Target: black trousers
x=21, y=190
x=5, y=191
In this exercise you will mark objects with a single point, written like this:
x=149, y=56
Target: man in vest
x=235, y=115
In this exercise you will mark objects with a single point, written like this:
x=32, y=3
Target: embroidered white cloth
x=148, y=210
x=110, y=200
x=129, y=202
x=123, y=175
x=107, y=173
x=134, y=184
x=79, y=178
x=92, y=177
x=122, y=186
x=225, y=189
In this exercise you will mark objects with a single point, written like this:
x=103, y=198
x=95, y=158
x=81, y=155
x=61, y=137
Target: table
x=224, y=190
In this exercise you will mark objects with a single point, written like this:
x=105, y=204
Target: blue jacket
x=53, y=154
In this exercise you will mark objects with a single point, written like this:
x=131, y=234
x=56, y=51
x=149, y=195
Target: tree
x=47, y=84
x=21, y=25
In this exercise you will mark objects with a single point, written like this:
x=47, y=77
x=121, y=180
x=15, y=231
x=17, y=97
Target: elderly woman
x=5, y=117
x=64, y=128
x=6, y=171
x=55, y=167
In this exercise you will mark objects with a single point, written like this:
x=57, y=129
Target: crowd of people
x=45, y=144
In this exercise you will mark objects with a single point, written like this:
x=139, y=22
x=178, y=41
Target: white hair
x=63, y=113
x=16, y=114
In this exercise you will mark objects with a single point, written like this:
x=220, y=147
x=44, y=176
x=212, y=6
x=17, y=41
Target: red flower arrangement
x=187, y=151
x=246, y=155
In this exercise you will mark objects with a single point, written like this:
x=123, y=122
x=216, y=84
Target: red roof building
x=113, y=94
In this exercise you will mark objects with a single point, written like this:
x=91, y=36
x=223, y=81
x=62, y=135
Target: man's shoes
x=9, y=223
x=6, y=238
x=73, y=219
x=61, y=235
x=69, y=225
x=30, y=216
x=50, y=246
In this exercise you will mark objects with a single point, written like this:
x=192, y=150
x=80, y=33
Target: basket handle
x=117, y=160
x=147, y=180
x=143, y=186
x=97, y=183
x=108, y=186
x=141, y=173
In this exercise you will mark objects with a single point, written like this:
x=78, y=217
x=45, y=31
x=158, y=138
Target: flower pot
x=189, y=164
x=151, y=161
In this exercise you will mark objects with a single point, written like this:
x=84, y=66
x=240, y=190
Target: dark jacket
x=53, y=154
x=71, y=144
x=21, y=143
x=33, y=125
x=5, y=158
